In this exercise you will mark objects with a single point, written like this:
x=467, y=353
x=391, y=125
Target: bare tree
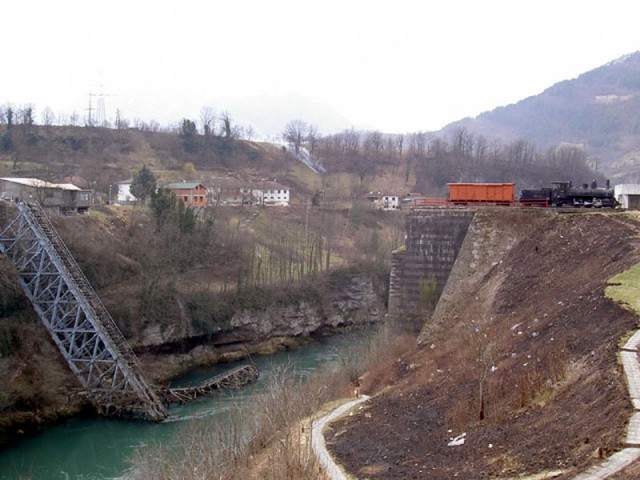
x=313, y=135
x=249, y=133
x=295, y=132
x=207, y=120
x=227, y=125
x=351, y=140
x=438, y=147
x=373, y=142
x=462, y=142
x=480, y=148
x=25, y=117
x=400, y=145
x=154, y=126
x=74, y=119
x=47, y=116
x=62, y=119
x=121, y=123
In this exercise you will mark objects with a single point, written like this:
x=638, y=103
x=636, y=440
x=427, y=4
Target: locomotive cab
x=560, y=193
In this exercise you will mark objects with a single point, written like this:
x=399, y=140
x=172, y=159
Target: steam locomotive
x=560, y=194
x=564, y=194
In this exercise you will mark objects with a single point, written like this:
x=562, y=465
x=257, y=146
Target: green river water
x=98, y=448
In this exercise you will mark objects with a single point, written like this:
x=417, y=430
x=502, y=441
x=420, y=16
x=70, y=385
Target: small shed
x=628, y=195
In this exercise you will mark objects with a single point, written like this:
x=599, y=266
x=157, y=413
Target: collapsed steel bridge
x=80, y=325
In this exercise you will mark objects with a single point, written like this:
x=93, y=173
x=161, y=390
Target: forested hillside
x=597, y=110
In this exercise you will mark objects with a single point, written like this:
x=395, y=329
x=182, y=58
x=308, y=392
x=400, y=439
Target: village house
x=59, y=198
x=192, y=194
x=231, y=192
x=383, y=201
x=123, y=195
x=271, y=193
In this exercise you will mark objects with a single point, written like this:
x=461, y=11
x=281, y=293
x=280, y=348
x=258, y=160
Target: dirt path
x=332, y=470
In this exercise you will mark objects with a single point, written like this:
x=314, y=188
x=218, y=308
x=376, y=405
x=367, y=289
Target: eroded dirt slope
x=531, y=377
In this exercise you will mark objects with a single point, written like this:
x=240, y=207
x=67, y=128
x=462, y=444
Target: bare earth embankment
x=526, y=368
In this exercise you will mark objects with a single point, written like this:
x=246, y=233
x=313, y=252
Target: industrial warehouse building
x=58, y=198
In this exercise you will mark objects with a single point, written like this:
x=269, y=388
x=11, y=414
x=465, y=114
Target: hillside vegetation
x=174, y=288
x=597, y=110
x=355, y=162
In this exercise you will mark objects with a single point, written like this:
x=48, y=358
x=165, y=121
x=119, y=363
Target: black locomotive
x=563, y=194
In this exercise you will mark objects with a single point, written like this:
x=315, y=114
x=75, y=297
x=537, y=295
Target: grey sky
x=396, y=66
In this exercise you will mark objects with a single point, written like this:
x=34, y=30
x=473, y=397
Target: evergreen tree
x=162, y=204
x=143, y=184
x=189, y=134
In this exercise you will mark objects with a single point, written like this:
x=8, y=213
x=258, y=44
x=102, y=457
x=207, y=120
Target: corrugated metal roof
x=37, y=183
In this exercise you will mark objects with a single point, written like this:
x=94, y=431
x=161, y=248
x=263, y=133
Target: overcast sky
x=396, y=66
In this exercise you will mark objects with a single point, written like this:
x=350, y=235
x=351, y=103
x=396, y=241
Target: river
x=98, y=448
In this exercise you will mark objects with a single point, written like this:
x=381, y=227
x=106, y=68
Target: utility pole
x=90, y=110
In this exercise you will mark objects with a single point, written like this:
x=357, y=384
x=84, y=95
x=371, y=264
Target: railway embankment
x=520, y=355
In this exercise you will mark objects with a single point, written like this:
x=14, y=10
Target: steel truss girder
x=78, y=322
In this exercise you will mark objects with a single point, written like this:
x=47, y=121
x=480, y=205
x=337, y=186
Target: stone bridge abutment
x=421, y=269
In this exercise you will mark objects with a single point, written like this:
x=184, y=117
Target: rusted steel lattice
x=78, y=322
x=235, y=378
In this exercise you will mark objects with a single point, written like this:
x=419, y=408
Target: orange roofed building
x=190, y=193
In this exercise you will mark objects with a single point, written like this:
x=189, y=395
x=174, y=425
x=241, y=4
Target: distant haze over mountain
x=599, y=110
x=268, y=114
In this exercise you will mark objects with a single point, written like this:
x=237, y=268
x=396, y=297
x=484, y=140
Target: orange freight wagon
x=492, y=193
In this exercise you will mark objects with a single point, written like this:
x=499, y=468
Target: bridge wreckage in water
x=84, y=331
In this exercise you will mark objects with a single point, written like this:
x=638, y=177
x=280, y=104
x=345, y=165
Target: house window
x=186, y=198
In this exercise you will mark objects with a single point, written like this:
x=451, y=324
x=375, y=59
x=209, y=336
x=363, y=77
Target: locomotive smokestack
x=608, y=184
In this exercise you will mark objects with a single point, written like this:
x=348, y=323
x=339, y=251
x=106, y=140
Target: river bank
x=161, y=368
x=41, y=390
x=95, y=447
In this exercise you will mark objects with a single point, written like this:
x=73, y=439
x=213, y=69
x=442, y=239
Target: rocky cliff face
x=356, y=303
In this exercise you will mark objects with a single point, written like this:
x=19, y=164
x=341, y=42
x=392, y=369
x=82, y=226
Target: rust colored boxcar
x=489, y=193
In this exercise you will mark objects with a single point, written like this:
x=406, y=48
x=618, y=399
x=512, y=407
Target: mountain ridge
x=599, y=109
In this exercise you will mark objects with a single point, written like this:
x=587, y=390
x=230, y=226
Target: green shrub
x=159, y=303
x=428, y=289
x=209, y=313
